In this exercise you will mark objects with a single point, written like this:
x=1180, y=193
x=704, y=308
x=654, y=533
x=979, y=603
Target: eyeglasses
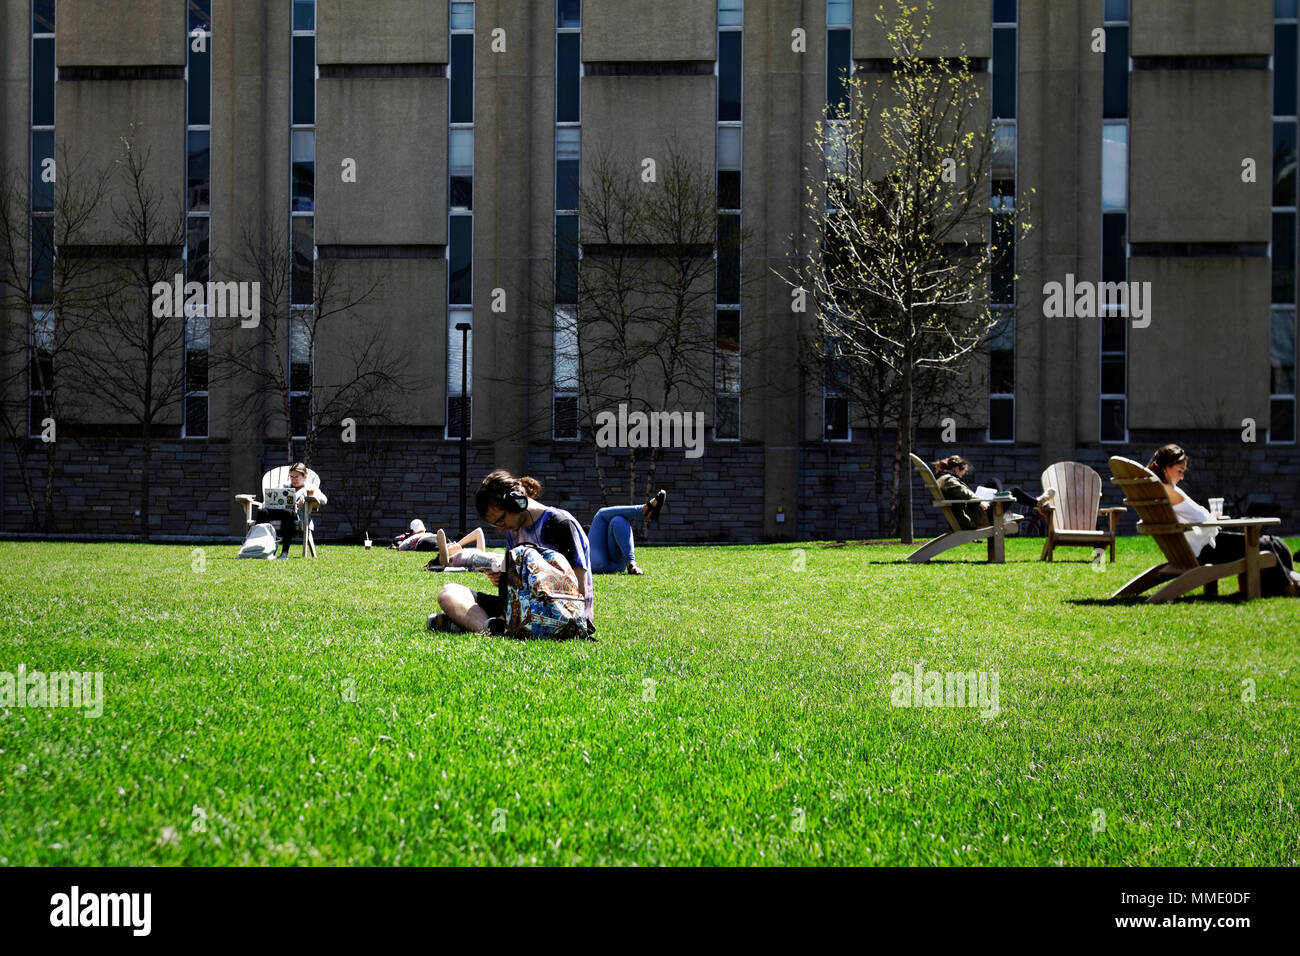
x=497, y=522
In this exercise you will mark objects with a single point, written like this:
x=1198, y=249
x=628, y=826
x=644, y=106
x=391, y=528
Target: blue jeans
x=612, y=548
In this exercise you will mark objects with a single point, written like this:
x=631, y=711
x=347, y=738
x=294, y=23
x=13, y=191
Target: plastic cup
x=1216, y=507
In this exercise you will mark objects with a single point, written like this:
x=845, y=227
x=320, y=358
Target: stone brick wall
x=717, y=497
x=97, y=487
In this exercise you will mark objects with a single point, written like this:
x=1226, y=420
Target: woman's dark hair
x=951, y=463
x=501, y=486
x=1165, y=456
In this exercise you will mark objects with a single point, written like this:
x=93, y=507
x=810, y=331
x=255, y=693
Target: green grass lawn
x=736, y=710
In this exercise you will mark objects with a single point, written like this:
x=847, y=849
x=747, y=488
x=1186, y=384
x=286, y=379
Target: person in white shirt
x=1220, y=545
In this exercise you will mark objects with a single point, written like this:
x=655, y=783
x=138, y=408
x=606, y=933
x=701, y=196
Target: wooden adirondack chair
x=994, y=533
x=274, y=496
x=1144, y=491
x=1072, y=514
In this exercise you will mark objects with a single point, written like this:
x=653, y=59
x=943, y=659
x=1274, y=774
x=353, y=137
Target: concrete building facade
x=429, y=152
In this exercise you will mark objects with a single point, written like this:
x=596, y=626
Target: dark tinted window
x=304, y=81
x=838, y=62
x=1284, y=257
x=566, y=78
x=200, y=14
x=303, y=241
x=728, y=189
x=1112, y=419
x=1284, y=162
x=1281, y=423
x=304, y=14
x=566, y=259
x=1284, y=70
x=568, y=13
x=1004, y=11
x=462, y=78
x=1002, y=419
x=196, y=415
x=1114, y=249
x=729, y=259
x=43, y=82
x=196, y=248
x=1112, y=374
x=303, y=148
x=200, y=88
x=1004, y=74
x=729, y=75
x=460, y=275
x=43, y=16
x=197, y=164
x=1115, y=74
x=1112, y=333
x=42, y=259
x=836, y=412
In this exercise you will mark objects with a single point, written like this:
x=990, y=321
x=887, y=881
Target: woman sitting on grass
x=1220, y=545
x=510, y=504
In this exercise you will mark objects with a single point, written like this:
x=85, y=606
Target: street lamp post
x=463, y=328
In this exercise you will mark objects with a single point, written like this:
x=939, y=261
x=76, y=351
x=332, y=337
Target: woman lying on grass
x=1221, y=545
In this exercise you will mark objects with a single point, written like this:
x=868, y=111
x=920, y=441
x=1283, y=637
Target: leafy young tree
x=900, y=254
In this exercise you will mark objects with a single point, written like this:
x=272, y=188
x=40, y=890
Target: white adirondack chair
x=278, y=494
x=1072, y=513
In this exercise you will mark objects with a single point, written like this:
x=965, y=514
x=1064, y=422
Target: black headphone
x=513, y=502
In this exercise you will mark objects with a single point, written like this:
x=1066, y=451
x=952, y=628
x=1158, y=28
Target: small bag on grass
x=259, y=542
x=542, y=596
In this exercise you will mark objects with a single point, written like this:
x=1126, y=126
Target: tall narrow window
x=727, y=318
x=40, y=377
x=302, y=166
x=460, y=222
x=1113, y=380
x=568, y=180
x=1002, y=284
x=1282, y=316
x=198, y=226
x=839, y=66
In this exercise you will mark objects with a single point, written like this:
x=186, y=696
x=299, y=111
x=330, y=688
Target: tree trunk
x=905, y=449
x=145, y=476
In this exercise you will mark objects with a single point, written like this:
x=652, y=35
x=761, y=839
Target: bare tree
x=640, y=320
x=901, y=258
x=338, y=367
x=36, y=337
x=127, y=355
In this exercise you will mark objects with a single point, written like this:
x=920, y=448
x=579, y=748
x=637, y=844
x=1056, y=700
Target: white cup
x=1216, y=507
